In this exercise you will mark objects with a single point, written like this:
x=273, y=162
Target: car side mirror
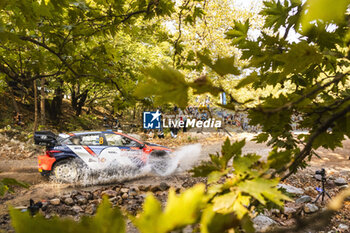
x=142, y=146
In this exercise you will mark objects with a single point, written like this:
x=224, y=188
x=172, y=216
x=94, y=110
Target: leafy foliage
x=107, y=219
x=306, y=78
x=179, y=212
x=234, y=187
x=7, y=184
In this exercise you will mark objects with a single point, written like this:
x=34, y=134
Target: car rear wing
x=45, y=138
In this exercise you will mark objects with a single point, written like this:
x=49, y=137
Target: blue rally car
x=68, y=154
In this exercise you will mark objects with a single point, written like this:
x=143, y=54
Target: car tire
x=66, y=171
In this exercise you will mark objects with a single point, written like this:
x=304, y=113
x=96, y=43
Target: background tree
x=311, y=77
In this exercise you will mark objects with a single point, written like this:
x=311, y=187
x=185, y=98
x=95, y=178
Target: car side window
x=119, y=140
x=130, y=142
x=89, y=140
x=114, y=139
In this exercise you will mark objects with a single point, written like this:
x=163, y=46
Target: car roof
x=78, y=133
x=91, y=132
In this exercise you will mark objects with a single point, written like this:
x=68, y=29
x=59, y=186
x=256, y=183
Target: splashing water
x=180, y=160
x=125, y=168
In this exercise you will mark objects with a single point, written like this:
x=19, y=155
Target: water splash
x=125, y=168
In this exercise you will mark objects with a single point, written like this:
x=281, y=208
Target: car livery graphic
x=67, y=155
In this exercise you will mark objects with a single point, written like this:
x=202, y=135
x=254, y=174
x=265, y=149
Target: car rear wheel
x=67, y=171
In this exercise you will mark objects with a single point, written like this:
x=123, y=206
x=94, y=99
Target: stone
x=303, y=199
x=77, y=209
x=109, y=193
x=289, y=210
x=340, y=181
x=55, y=201
x=291, y=189
x=163, y=186
x=310, y=208
x=90, y=209
x=154, y=189
x=263, y=223
x=125, y=196
x=132, y=192
x=311, y=190
x=69, y=201
x=343, y=187
x=124, y=190
x=318, y=177
x=343, y=228
x=88, y=195
x=81, y=200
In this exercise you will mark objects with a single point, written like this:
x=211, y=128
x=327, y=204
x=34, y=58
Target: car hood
x=157, y=147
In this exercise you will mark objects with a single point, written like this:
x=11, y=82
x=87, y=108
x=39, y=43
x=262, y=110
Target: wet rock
x=69, y=201
x=77, y=209
x=343, y=228
x=291, y=189
x=81, y=200
x=109, y=193
x=55, y=201
x=340, y=181
x=90, y=209
x=124, y=190
x=303, y=199
x=310, y=208
x=163, y=186
x=263, y=223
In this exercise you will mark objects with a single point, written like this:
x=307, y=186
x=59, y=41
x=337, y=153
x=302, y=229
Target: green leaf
x=247, y=80
x=239, y=32
x=278, y=159
x=243, y=164
x=222, y=66
x=166, y=84
x=7, y=184
x=229, y=150
x=261, y=137
x=214, y=222
x=262, y=189
x=325, y=10
x=181, y=210
x=299, y=58
x=204, y=85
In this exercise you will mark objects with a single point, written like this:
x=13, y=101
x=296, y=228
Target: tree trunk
x=13, y=100
x=42, y=101
x=35, y=106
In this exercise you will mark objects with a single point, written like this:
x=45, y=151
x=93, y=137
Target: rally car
x=68, y=155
